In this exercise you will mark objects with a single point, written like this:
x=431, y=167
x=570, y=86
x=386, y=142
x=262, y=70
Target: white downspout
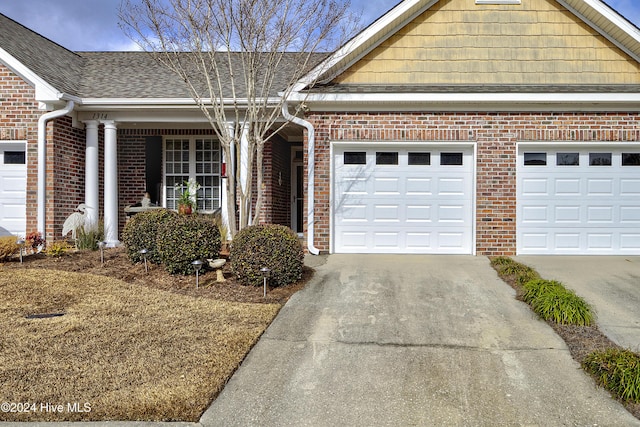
x=42, y=162
x=311, y=149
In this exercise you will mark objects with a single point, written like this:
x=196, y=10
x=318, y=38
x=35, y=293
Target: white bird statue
x=75, y=221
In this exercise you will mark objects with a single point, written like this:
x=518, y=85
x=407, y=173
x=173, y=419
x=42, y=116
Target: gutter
x=311, y=139
x=42, y=160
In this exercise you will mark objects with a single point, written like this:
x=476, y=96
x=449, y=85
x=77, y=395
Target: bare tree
x=234, y=57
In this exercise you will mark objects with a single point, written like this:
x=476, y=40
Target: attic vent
x=498, y=1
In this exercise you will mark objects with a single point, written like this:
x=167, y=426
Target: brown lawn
x=154, y=349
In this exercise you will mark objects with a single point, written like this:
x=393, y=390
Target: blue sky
x=93, y=24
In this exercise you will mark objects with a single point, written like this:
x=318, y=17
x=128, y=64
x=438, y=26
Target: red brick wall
x=495, y=134
x=277, y=178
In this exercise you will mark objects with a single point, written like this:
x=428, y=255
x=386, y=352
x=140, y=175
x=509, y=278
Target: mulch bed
x=117, y=265
x=581, y=340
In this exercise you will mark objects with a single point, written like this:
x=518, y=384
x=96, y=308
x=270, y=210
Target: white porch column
x=244, y=165
x=91, y=184
x=110, y=184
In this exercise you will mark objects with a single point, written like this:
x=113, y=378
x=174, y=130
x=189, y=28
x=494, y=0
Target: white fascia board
x=615, y=17
x=359, y=40
x=45, y=93
x=159, y=103
x=474, y=102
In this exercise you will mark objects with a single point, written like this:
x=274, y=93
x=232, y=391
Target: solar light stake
x=21, y=243
x=144, y=253
x=101, y=245
x=197, y=264
x=265, y=274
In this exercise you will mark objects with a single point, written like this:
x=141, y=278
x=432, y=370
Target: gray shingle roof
x=53, y=63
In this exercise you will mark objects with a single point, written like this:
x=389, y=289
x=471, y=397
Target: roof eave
x=44, y=92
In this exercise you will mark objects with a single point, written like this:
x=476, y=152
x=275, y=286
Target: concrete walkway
x=610, y=284
x=410, y=340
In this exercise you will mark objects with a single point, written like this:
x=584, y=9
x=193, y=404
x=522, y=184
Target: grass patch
x=131, y=352
x=617, y=370
x=562, y=306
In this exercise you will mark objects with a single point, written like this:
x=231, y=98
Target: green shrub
x=57, y=249
x=89, y=239
x=500, y=261
x=273, y=246
x=185, y=239
x=562, y=306
x=617, y=370
x=8, y=247
x=141, y=232
x=535, y=288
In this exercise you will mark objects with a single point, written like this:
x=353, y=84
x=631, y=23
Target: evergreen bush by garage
x=141, y=232
x=185, y=239
x=273, y=246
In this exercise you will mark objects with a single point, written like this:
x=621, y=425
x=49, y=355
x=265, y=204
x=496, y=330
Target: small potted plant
x=188, y=201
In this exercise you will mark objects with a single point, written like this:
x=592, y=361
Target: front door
x=297, y=190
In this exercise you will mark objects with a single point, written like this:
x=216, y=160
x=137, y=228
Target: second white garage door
x=579, y=200
x=416, y=199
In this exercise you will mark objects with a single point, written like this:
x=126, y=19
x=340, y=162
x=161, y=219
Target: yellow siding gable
x=459, y=42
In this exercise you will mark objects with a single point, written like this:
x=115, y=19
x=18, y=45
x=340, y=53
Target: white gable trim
x=365, y=42
x=44, y=91
x=610, y=16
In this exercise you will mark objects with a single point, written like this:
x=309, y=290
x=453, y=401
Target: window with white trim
x=192, y=158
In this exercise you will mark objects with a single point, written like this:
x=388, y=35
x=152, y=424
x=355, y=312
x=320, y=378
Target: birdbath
x=217, y=264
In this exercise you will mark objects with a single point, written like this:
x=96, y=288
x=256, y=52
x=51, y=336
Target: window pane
x=535, y=159
x=14, y=158
x=630, y=159
x=567, y=159
x=386, y=158
x=419, y=159
x=355, y=158
x=451, y=159
x=599, y=159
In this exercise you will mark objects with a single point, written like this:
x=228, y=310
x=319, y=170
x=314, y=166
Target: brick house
x=447, y=126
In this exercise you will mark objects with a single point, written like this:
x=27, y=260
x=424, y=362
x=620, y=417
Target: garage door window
x=630, y=159
x=355, y=158
x=599, y=159
x=567, y=159
x=386, y=158
x=535, y=159
x=14, y=158
x=451, y=159
x=419, y=159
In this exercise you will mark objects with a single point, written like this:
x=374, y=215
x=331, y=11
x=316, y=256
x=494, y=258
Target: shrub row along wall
x=495, y=134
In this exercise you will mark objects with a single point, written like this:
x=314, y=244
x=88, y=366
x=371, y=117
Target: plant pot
x=185, y=209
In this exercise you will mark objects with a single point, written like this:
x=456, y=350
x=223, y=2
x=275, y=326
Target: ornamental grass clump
x=141, y=232
x=562, y=306
x=537, y=287
x=185, y=239
x=617, y=370
x=275, y=247
x=8, y=247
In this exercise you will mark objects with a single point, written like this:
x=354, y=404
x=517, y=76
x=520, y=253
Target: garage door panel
x=13, y=190
x=593, y=209
x=417, y=208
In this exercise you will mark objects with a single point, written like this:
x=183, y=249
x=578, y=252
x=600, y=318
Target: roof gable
x=460, y=42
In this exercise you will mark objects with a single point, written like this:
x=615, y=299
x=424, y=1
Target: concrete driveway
x=611, y=284
x=410, y=340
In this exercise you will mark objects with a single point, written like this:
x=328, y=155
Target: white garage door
x=403, y=200
x=13, y=188
x=578, y=200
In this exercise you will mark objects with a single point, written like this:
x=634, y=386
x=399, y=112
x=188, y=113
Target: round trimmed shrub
x=141, y=232
x=185, y=239
x=273, y=246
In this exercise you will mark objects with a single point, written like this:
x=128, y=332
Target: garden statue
x=75, y=221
